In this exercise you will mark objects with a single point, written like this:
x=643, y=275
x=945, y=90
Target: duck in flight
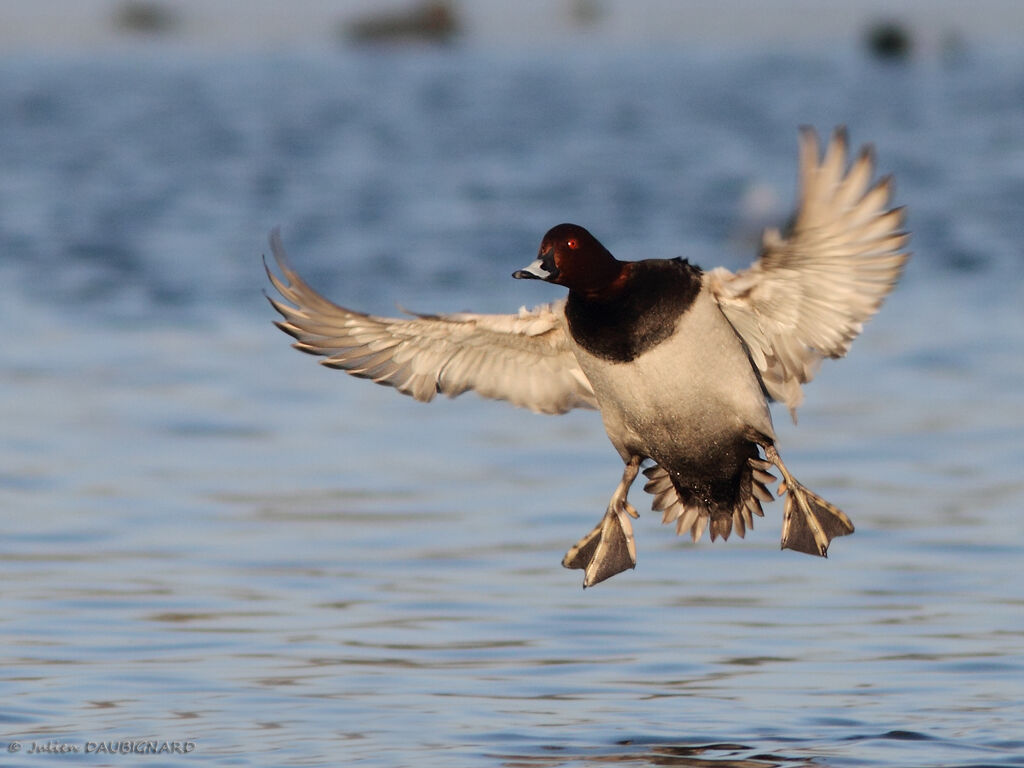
x=680, y=362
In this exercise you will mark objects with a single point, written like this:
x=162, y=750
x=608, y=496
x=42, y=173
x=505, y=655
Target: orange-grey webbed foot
x=609, y=548
x=809, y=523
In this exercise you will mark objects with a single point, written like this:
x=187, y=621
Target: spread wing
x=809, y=294
x=524, y=358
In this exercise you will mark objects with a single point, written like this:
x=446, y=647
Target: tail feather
x=691, y=514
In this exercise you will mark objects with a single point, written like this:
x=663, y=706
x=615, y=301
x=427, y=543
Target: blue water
x=209, y=539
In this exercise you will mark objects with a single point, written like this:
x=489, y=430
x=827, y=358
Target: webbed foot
x=605, y=551
x=609, y=548
x=809, y=523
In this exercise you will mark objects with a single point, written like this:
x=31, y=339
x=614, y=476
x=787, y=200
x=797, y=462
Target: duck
x=681, y=363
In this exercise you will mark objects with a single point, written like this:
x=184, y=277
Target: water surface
x=208, y=538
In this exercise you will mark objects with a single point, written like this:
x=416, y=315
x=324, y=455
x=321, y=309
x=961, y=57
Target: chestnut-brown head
x=569, y=255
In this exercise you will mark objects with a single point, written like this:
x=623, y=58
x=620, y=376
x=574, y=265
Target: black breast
x=638, y=317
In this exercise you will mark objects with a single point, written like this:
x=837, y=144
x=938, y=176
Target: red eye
x=572, y=243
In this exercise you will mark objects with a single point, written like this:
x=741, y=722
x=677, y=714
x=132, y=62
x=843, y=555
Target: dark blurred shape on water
x=429, y=21
x=145, y=17
x=889, y=39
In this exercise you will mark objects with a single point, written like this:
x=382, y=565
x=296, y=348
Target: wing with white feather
x=523, y=358
x=809, y=294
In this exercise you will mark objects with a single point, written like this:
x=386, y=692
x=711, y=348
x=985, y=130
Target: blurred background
x=208, y=537
x=262, y=24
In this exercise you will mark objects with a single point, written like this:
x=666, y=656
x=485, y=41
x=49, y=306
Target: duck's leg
x=809, y=522
x=609, y=548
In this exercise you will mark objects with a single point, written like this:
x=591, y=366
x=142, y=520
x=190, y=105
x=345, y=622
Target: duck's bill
x=538, y=270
